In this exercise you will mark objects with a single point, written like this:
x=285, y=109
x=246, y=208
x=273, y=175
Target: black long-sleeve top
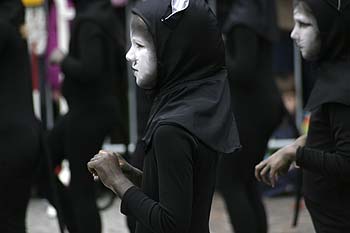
x=178, y=185
x=15, y=79
x=326, y=157
x=89, y=68
x=253, y=88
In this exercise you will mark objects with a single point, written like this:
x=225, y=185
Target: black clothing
x=258, y=109
x=12, y=11
x=332, y=85
x=92, y=55
x=19, y=130
x=333, y=24
x=190, y=123
x=90, y=74
x=325, y=158
x=258, y=15
x=192, y=89
x=178, y=184
x=326, y=163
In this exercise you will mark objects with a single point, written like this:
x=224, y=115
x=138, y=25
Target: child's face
x=306, y=33
x=142, y=54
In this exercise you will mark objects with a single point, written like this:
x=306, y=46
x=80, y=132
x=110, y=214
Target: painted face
x=142, y=54
x=305, y=32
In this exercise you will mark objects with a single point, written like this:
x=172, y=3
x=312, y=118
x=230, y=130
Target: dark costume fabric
x=249, y=27
x=19, y=129
x=90, y=73
x=325, y=159
x=190, y=123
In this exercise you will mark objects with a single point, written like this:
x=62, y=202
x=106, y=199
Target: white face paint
x=306, y=33
x=142, y=55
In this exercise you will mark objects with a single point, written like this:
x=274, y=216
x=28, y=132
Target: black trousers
x=236, y=181
x=78, y=136
x=20, y=146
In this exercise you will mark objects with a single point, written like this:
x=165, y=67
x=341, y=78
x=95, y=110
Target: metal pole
x=298, y=87
x=132, y=89
x=298, y=120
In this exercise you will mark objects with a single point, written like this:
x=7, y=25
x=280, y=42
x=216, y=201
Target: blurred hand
x=56, y=95
x=56, y=57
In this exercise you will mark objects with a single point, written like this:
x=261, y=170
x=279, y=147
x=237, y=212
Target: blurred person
x=20, y=139
x=190, y=122
x=322, y=34
x=89, y=76
x=249, y=28
x=53, y=72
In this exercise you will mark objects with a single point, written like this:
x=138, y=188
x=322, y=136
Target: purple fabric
x=53, y=71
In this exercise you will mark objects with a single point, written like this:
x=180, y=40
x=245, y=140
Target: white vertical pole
x=298, y=88
x=132, y=89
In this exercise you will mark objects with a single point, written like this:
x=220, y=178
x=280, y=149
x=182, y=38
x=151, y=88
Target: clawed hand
x=277, y=164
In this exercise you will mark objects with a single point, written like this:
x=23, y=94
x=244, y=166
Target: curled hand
x=277, y=164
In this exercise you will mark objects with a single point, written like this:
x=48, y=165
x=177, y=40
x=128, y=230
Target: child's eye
x=304, y=24
x=139, y=45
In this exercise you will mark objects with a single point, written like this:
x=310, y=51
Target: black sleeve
x=242, y=46
x=173, y=148
x=337, y=163
x=4, y=35
x=89, y=65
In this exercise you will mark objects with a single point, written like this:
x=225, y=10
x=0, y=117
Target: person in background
x=322, y=34
x=89, y=75
x=249, y=28
x=19, y=130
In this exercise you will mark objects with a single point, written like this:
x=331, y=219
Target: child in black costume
x=190, y=123
x=323, y=35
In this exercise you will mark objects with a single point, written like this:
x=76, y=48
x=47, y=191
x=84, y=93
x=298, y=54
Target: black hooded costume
x=325, y=159
x=190, y=123
x=90, y=71
x=19, y=129
x=250, y=28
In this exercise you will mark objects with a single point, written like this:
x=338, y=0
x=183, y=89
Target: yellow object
x=32, y=3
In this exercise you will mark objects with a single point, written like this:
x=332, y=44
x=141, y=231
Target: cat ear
x=177, y=6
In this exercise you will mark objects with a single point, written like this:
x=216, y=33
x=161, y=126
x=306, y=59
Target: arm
x=337, y=163
x=242, y=46
x=278, y=163
x=172, y=213
x=89, y=65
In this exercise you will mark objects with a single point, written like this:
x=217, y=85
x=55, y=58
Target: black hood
x=192, y=90
x=259, y=15
x=332, y=17
x=333, y=65
x=12, y=11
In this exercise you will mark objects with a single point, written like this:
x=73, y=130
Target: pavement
x=279, y=210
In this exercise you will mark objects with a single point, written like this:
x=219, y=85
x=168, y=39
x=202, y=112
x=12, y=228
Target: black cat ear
x=177, y=6
x=172, y=16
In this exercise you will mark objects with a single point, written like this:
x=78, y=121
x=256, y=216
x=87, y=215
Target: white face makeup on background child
x=305, y=32
x=142, y=55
